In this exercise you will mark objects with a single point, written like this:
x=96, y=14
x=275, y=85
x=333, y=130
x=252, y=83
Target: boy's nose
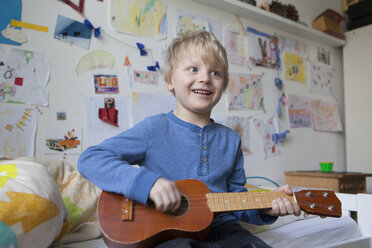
x=204, y=77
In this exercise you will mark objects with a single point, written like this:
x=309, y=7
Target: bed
x=65, y=215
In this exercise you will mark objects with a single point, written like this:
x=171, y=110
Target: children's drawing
x=23, y=78
x=109, y=113
x=240, y=125
x=146, y=77
x=94, y=60
x=97, y=129
x=129, y=71
x=73, y=32
x=105, y=84
x=323, y=56
x=236, y=44
x=266, y=131
x=321, y=78
x=263, y=49
x=146, y=104
x=14, y=34
x=139, y=17
x=190, y=23
x=294, y=67
x=245, y=91
x=17, y=134
x=325, y=116
x=299, y=111
x=62, y=140
x=9, y=9
x=187, y=21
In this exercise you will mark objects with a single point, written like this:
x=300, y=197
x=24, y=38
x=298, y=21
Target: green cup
x=326, y=166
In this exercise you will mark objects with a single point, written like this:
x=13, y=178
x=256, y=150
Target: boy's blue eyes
x=213, y=73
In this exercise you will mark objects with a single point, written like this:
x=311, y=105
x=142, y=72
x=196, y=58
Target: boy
x=181, y=144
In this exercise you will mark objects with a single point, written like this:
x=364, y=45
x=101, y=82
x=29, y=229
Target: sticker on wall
x=140, y=17
x=105, y=84
x=245, y=91
x=59, y=140
x=73, y=32
x=61, y=116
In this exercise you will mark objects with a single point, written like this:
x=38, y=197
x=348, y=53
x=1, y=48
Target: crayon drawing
x=299, y=111
x=294, y=68
x=325, y=116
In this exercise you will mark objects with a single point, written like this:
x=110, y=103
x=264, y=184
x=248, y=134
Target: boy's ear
x=169, y=83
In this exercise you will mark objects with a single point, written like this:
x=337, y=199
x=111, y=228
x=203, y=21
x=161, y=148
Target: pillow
x=79, y=195
x=32, y=211
x=281, y=221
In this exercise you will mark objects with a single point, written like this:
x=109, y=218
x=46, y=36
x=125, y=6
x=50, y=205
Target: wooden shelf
x=264, y=17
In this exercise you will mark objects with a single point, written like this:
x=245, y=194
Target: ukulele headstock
x=319, y=202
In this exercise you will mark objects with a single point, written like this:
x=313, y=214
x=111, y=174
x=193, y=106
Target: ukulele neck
x=225, y=202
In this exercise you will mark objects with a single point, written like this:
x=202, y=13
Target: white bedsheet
x=312, y=232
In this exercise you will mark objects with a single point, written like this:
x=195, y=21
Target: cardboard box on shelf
x=330, y=22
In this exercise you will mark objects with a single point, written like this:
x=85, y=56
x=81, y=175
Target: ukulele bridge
x=127, y=210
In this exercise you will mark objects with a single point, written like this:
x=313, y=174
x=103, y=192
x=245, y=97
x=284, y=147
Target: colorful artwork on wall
x=146, y=18
x=294, y=67
x=299, y=111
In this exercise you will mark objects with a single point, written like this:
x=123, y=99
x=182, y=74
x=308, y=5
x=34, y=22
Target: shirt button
x=198, y=134
x=204, y=159
x=204, y=147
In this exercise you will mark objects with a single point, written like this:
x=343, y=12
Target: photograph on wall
x=325, y=116
x=23, y=77
x=245, y=92
x=72, y=32
x=146, y=18
x=322, y=77
x=17, y=131
x=294, y=67
x=240, y=125
x=266, y=129
x=61, y=140
x=263, y=48
x=299, y=111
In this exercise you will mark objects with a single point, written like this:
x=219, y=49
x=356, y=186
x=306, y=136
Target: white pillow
x=32, y=211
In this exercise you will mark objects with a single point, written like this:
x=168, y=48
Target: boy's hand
x=282, y=206
x=165, y=195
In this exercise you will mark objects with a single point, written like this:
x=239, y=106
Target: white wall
x=302, y=150
x=358, y=88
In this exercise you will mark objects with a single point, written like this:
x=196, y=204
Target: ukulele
x=125, y=224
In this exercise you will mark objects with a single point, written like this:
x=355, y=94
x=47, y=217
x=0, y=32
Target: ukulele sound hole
x=182, y=209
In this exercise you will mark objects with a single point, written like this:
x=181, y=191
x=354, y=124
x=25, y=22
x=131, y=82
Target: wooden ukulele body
x=149, y=226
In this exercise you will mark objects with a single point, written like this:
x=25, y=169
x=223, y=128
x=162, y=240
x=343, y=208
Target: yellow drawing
x=139, y=17
x=26, y=116
x=95, y=60
x=2, y=118
x=7, y=171
x=188, y=23
x=29, y=209
x=294, y=67
x=15, y=145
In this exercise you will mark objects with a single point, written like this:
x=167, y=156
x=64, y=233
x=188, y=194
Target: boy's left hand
x=282, y=206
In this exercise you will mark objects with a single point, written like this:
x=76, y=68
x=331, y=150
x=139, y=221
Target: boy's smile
x=197, y=85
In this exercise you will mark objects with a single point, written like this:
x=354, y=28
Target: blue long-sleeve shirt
x=166, y=146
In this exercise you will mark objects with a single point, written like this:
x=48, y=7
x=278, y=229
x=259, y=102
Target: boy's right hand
x=165, y=195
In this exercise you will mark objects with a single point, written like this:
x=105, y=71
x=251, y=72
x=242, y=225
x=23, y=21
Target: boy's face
x=197, y=85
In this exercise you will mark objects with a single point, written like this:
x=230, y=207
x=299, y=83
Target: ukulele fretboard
x=224, y=202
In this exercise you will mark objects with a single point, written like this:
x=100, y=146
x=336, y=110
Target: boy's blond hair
x=212, y=52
